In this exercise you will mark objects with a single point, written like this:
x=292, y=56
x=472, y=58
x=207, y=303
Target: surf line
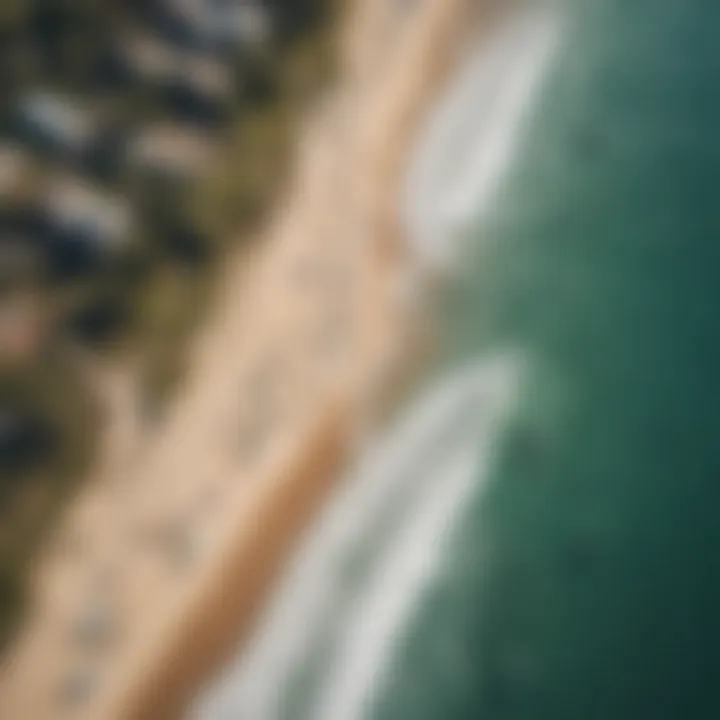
x=471, y=141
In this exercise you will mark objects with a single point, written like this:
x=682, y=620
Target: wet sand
x=183, y=540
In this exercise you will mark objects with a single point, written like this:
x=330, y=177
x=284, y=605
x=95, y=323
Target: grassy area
x=32, y=494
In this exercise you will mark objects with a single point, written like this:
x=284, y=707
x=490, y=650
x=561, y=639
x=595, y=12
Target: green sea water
x=578, y=574
x=584, y=582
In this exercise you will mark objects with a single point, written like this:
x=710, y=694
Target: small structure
x=214, y=25
x=53, y=124
x=76, y=210
x=147, y=60
x=201, y=90
x=83, y=226
x=170, y=151
x=206, y=76
x=197, y=85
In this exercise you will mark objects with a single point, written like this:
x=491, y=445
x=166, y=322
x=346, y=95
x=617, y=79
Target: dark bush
x=101, y=320
x=26, y=440
x=187, y=246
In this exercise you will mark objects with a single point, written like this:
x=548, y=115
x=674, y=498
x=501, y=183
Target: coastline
x=186, y=629
x=353, y=587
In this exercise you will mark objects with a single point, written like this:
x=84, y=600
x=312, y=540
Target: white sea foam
x=416, y=476
x=453, y=461
x=470, y=141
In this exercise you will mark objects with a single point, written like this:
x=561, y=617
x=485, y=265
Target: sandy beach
x=178, y=540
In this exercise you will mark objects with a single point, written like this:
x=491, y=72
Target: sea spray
x=401, y=497
x=449, y=470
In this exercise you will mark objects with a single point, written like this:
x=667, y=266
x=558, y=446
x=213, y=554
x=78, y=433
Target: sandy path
x=175, y=548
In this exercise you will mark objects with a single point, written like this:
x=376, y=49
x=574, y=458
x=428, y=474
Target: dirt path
x=166, y=559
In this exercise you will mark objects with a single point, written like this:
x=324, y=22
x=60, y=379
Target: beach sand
x=183, y=540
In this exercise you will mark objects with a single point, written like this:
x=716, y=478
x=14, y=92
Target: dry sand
x=179, y=543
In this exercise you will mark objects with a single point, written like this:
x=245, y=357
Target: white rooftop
x=224, y=21
x=78, y=207
x=57, y=115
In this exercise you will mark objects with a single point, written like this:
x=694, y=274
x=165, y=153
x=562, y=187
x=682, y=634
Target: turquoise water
x=585, y=583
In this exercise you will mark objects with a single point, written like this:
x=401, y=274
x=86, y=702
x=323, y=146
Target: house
x=83, y=227
x=147, y=60
x=213, y=25
x=196, y=85
x=52, y=124
x=170, y=151
x=201, y=90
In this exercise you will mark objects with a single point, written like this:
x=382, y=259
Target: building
x=200, y=91
x=147, y=60
x=53, y=124
x=193, y=85
x=82, y=226
x=213, y=25
x=170, y=151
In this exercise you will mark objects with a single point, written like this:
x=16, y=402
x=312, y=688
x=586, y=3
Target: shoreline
x=187, y=635
x=314, y=613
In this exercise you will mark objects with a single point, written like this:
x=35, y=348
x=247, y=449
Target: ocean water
x=538, y=536
x=584, y=582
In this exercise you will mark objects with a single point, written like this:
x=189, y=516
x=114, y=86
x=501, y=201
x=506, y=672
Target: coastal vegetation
x=140, y=146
